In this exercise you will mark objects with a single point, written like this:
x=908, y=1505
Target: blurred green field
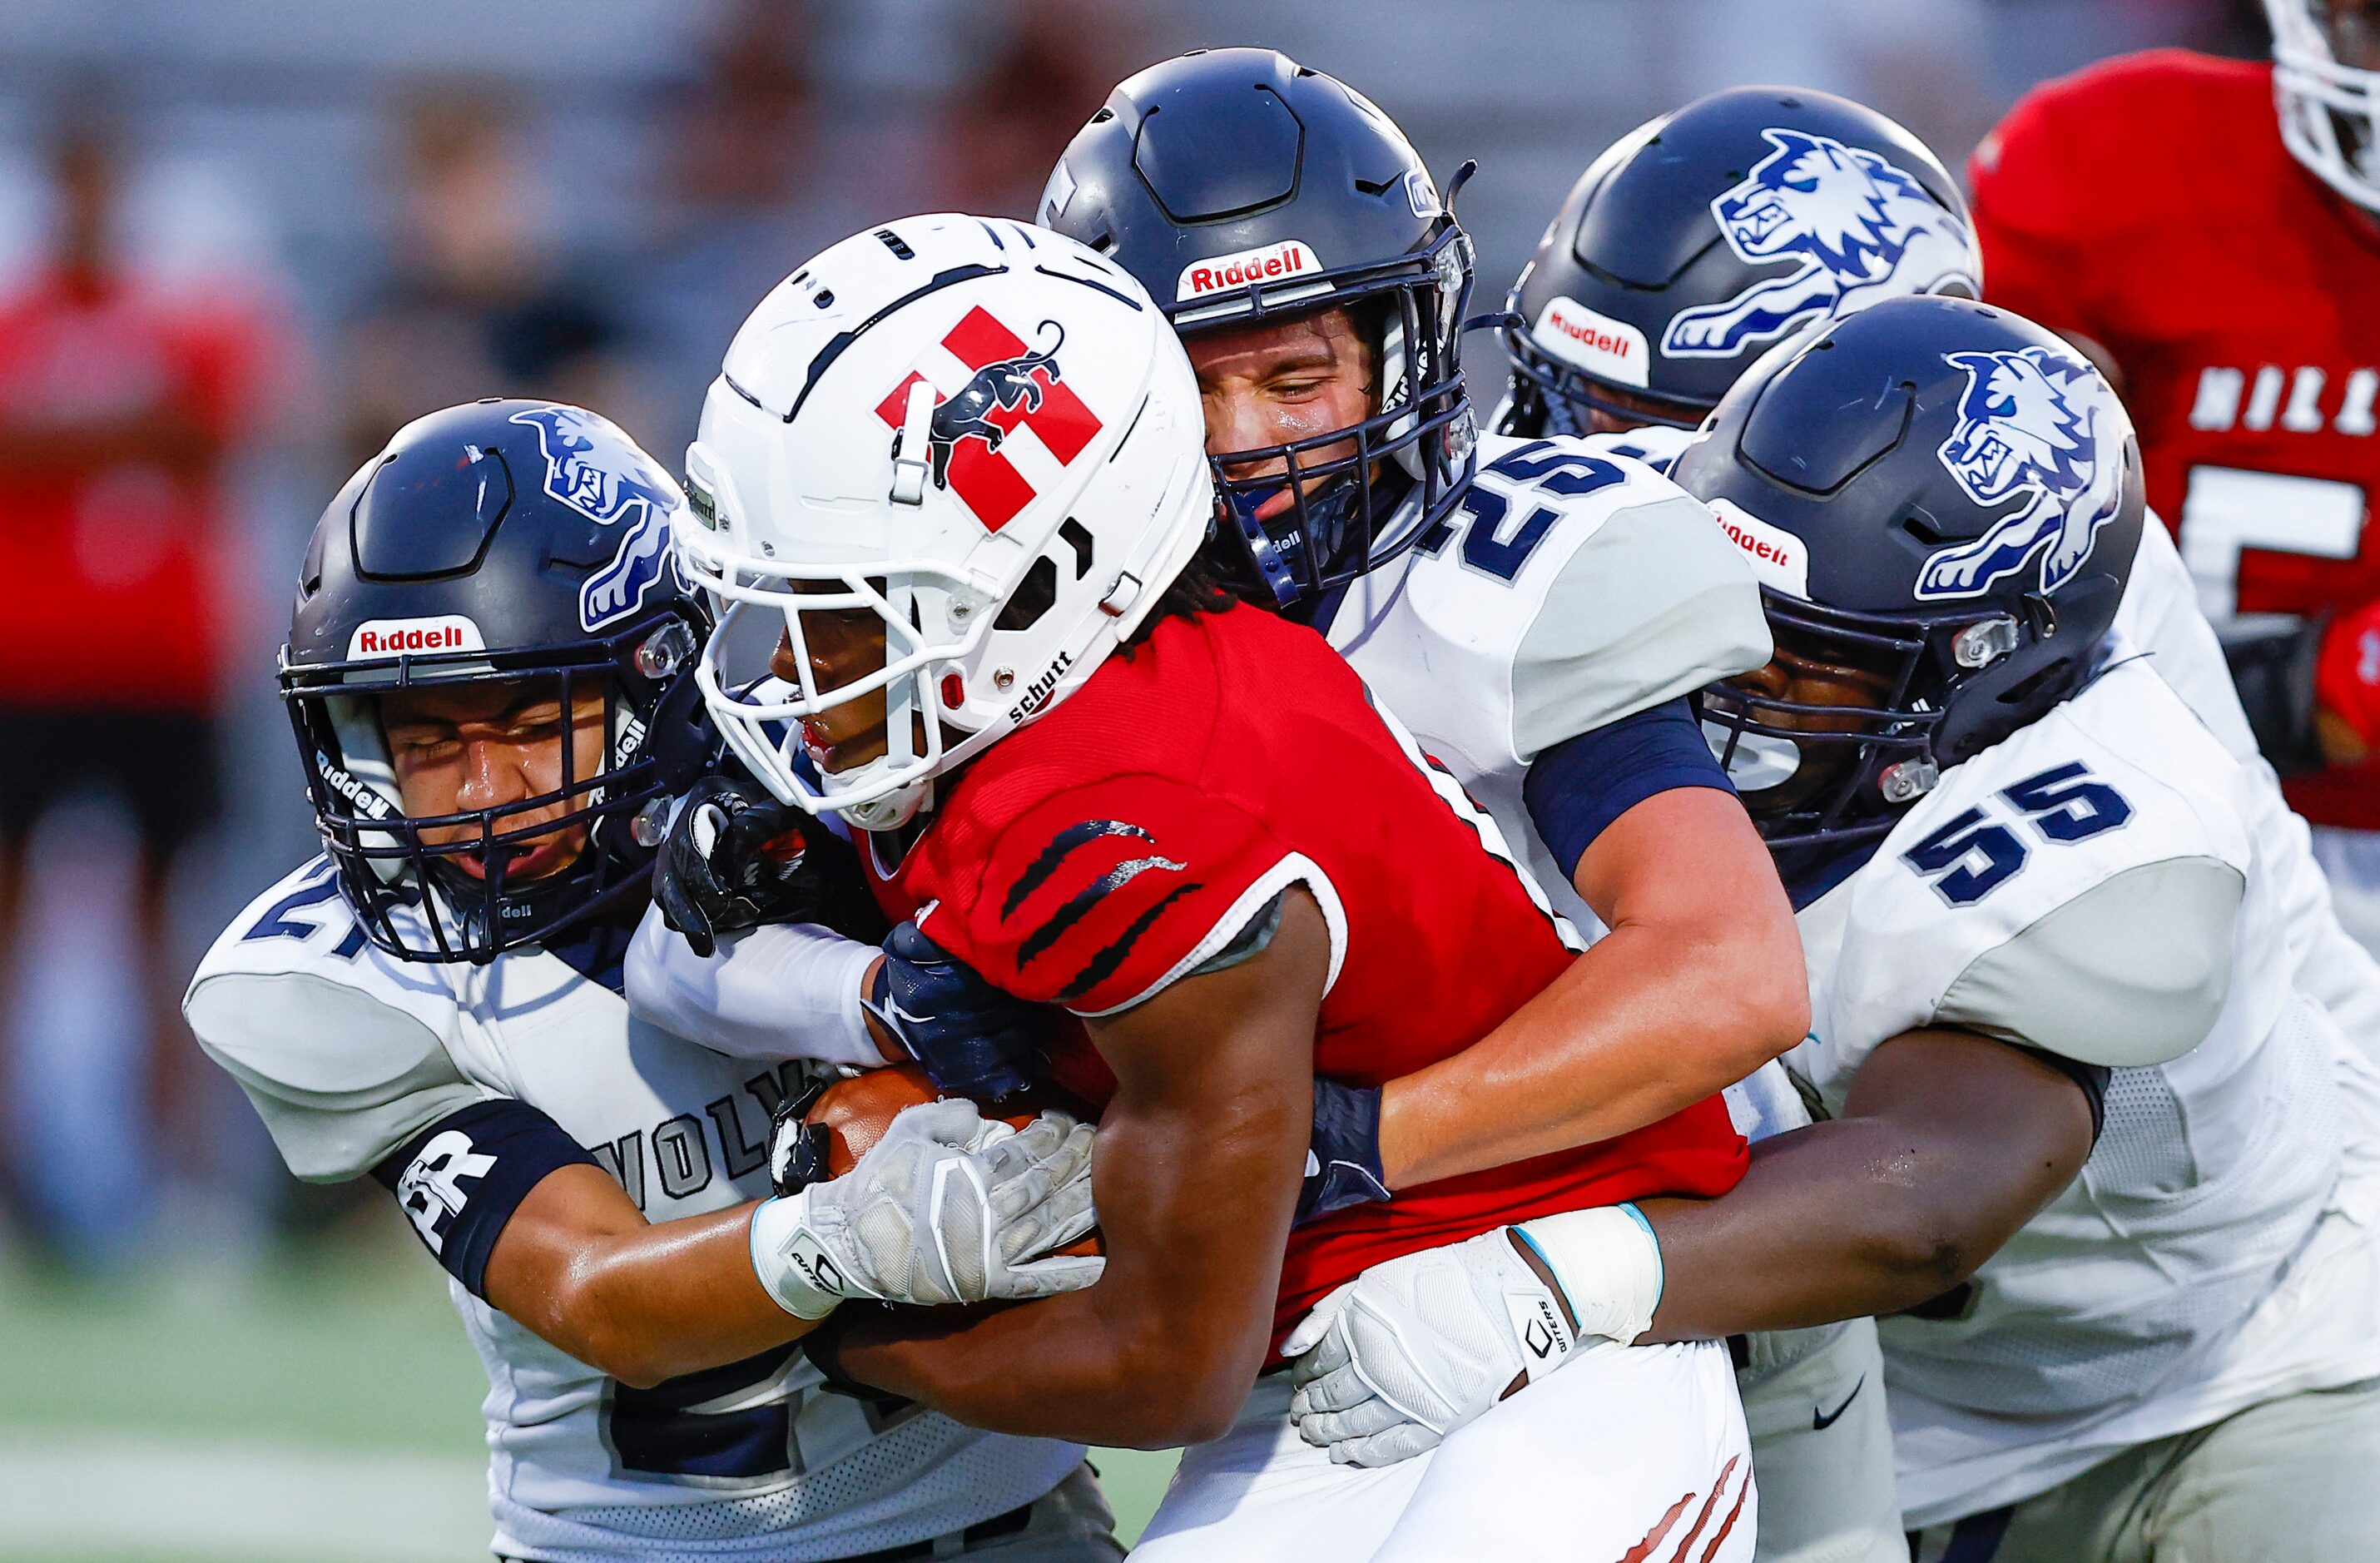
x=323, y=1409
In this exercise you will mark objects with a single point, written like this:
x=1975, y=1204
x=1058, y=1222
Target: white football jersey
x=1572, y=588
x=2096, y=885
x=350, y=1055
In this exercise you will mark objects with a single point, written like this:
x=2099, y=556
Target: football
x=855, y=1112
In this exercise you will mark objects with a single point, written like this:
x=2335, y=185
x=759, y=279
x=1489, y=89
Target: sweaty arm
x=1950, y=1142
x=1953, y=1135
x=507, y=1203
x=523, y=1218
x=1697, y=985
x=578, y=1264
x=1196, y=1168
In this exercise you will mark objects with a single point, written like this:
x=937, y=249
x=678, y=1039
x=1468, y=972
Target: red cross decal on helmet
x=1013, y=385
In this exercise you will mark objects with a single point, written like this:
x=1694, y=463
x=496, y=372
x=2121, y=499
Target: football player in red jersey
x=2218, y=256
x=954, y=469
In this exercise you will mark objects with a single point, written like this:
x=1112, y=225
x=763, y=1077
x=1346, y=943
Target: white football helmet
x=2329, y=106
x=980, y=433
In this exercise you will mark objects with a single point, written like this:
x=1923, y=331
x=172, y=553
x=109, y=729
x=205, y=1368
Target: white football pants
x=1822, y=1446
x=1630, y=1453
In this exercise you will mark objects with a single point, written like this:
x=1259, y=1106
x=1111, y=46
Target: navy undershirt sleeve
x=1577, y=788
x=461, y=1179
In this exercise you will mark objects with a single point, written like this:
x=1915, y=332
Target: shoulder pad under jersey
x=2073, y=888
x=344, y=1050
x=1572, y=589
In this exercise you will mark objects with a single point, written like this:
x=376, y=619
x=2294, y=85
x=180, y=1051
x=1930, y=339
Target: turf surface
x=139, y=1416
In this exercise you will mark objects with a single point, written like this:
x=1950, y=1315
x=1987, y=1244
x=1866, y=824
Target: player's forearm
x=1645, y=1024
x=1196, y=1172
x=1832, y=1222
x=643, y=1303
x=1076, y=1367
x=1948, y=1144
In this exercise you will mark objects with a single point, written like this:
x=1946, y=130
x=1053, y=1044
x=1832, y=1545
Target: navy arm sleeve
x=461, y=1179
x=1577, y=788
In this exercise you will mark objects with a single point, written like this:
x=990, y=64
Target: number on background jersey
x=2227, y=511
x=1975, y=855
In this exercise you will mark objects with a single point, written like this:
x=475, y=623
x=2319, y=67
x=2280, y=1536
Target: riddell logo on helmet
x=1776, y=556
x=1222, y=272
x=414, y=637
x=1595, y=343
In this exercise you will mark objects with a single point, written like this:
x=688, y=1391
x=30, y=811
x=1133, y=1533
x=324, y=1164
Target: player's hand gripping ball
x=823, y=1135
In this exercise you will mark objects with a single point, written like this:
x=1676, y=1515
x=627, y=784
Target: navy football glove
x=1342, y=1159
x=734, y=861
x=973, y=1040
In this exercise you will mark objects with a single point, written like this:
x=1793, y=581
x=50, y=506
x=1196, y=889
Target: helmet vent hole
x=1035, y=596
x=824, y=298
x=896, y=244
x=1921, y=527
x=1079, y=537
x=1103, y=117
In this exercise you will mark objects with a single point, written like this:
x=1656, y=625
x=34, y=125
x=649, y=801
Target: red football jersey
x=2149, y=203
x=117, y=580
x=1122, y=840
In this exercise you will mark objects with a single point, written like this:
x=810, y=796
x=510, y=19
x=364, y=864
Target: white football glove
x=947, y=1207
x=1389, y=1365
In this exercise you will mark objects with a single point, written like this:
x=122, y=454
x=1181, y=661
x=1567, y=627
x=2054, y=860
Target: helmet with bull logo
x=969, y=449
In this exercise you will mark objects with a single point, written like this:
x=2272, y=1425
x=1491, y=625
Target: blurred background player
x=2026, y=867
x=2110, y=204
x=124, y=405
x=490, y=673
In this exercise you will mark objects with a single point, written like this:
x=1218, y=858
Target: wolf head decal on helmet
x=1709, y=235
x=1942, y=500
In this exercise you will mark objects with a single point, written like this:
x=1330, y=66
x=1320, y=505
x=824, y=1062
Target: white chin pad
x=1761, y=761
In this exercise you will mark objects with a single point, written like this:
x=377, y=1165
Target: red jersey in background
x=114, y=577
x=2149, y=203
x=1107, y=849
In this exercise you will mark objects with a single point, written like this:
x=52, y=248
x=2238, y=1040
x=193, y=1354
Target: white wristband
x=793, y=1268
x=1609, y=1265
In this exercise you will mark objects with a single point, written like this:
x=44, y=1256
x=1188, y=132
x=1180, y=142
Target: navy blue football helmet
x=1942, y=500
x=1707, y=235
x=1238, y=185
x=502, y=542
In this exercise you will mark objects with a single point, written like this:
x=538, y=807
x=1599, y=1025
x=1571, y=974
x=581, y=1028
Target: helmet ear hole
x=1036, y=596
